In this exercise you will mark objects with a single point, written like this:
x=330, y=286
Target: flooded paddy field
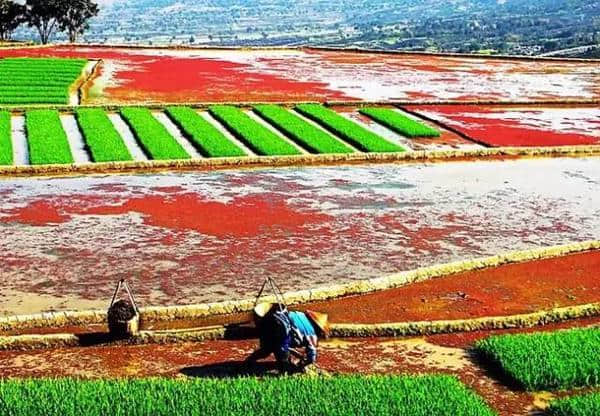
x=191, y=237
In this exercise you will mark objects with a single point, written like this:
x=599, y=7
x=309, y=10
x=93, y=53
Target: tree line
x=47, y=17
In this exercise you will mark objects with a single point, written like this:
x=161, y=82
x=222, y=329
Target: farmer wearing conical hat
x=282, y=332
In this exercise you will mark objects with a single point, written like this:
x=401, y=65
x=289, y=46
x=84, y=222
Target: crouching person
x=281, y=333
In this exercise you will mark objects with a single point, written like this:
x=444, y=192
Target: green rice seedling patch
x=582, y=405
x=38, y=80
x=257, y=137
x=547, y=361
x=152, y=136
x=347, y=395
x=308, y=136
x=205, y=137
x=46, y=138
x=358, y=136
x=6, y=148
x=399, y=123
x=101, y=137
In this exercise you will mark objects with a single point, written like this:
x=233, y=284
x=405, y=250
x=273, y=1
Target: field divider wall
x=215, y=309
x=391, y=330
x=299, y=160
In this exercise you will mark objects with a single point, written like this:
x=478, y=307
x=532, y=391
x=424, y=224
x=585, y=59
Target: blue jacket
x=302, y=335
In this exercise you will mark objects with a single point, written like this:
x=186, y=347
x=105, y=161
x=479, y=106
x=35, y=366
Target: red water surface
x=486, y=124
x=241, y=217
x=156, y=78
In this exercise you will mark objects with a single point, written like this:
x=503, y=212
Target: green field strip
x=547, y=361
x=399, y=123
x=102, y=139
x=335, y=396
x=205, y=137
x=38, y=81
x=46, y=138
x=6, y=147
x=152, y=136
x=580, y=405
x=257, y=137
x=356, y=135
x=305, y=134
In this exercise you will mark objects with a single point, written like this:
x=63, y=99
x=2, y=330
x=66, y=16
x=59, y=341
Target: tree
x=11, y=17
x=44, y=16
x=75, y=16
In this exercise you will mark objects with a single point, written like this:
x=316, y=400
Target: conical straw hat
x=320, y=320
x=262, y=309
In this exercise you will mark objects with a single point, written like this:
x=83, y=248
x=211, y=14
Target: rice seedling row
x=366, y=395
x=38, y=81
x=399, y=123
x=545, y=361
x=305, y=134
x=6, y=148
x=46, y=138
x=103, y=140
x=152, y=136
x=581, y=405
x=206, y=138
x=353, y=133
x=260, y=139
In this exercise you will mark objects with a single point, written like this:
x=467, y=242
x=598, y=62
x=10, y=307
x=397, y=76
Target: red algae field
x=162, y=75
x=190, y=237
x=520, y=125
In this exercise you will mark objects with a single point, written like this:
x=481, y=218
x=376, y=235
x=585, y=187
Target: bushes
x=205, y=137
x=355, y=395
x=38, y=80
x=6, y=149
x=260, y=139
x=308, y=136
x=356, y=135
x=583, y=405
x=154, y=138
x=399, y=123
x=556, y=360
x=46, y=138
x=103, y=140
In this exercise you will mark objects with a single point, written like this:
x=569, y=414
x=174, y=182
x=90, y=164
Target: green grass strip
x=153, y=137
x=582, y=405
x=308, y=136
x=205, y=137
x=257, y=137
x=358, y=136
x=6, y=148
x=103, y=140
x=337, y=396
x=46, y=138
x=399, y=123
x=547, y=361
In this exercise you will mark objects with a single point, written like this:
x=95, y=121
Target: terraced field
x=179, y=133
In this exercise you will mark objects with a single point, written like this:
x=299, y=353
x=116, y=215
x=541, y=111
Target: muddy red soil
x=506, y=290
x=519, y=125
x=438, y=354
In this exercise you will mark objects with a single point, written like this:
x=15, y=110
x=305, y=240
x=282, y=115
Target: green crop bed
x=103, y=140
x=372, y=395
x=257, y=137
x=153, y=137
x=543, y=361
x=583, y=405
x=6, y=149
x=356, y=135
x=399, y=123
x=308, y=136
x=46, y=138
x=205, y=137
x=38, y=80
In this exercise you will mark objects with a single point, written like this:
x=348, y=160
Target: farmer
x=281, y=333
